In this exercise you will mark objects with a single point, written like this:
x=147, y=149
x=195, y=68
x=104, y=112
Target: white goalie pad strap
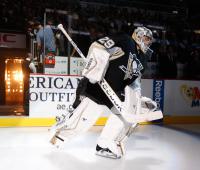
x=83, y=118
x=97, y=63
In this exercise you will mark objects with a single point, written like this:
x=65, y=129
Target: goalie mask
x=143, y=37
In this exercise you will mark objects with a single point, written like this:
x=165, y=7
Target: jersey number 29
x=107, y=42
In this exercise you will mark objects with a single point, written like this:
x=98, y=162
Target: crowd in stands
x=175, y=43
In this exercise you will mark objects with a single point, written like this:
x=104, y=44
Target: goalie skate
x=106, y=152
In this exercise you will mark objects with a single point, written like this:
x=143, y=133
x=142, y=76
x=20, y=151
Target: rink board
x=51, y=95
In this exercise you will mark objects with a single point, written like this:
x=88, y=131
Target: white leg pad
x=113, y=136
x=83, y=118
x=110, y=133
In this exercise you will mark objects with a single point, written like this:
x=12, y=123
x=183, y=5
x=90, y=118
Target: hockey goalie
x=118, y=60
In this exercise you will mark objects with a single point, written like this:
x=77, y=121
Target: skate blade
x=106, y=155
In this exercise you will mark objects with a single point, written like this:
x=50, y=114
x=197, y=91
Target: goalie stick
x=104, y=86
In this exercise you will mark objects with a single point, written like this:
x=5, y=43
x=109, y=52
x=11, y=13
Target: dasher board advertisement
x=182, y=97
x=51, y=95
